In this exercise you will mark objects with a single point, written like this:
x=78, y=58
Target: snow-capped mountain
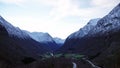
x=16, y=45
x=59, y=41
x=84, y=31
x=41, y=37
x=98, y=38
x=72, y=40
x=109, y=22
x=45, y=39
x=13, y=31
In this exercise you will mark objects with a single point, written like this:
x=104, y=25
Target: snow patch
x=41, y=37
x=84, y=31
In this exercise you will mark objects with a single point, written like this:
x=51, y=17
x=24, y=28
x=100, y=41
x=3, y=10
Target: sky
x=59, y=18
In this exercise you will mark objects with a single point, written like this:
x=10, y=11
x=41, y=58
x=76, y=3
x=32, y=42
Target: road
x=74, y=65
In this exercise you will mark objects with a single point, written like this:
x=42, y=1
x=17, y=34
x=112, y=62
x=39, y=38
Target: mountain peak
x=40, y=36
x=84, y=31
x=59, y=40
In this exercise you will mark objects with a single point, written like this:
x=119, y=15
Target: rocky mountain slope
x=16, y=45
x=72, y=40
x=45, y=39
x=84, y=31
x=101, y=44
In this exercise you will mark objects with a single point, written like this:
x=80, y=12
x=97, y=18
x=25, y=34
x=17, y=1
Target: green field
x=73, y=56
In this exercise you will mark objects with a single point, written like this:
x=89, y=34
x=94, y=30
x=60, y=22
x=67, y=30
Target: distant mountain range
x=45, y=39
x=16, y=44
x=59, y=41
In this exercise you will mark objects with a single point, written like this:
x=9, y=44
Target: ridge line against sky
x=59, y=18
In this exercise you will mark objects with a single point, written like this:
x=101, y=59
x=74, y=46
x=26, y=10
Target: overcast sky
x=59, y=18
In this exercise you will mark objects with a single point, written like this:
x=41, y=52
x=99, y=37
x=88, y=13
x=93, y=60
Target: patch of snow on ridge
x=109, y=22
x=84, y=31
x=13, y=31
x=40, y=36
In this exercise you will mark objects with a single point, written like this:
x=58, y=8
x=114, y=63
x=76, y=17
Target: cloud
x=105, y=3
x=64, y=8
x=16, y=2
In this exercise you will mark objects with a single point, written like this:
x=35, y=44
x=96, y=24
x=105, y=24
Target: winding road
x=74, y=65
x=93, y=65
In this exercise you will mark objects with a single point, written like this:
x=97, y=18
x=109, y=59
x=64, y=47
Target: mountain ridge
x=16, y=45
x=101, y=44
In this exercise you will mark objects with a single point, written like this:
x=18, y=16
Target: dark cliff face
x=3, y=31
x=109, y=58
